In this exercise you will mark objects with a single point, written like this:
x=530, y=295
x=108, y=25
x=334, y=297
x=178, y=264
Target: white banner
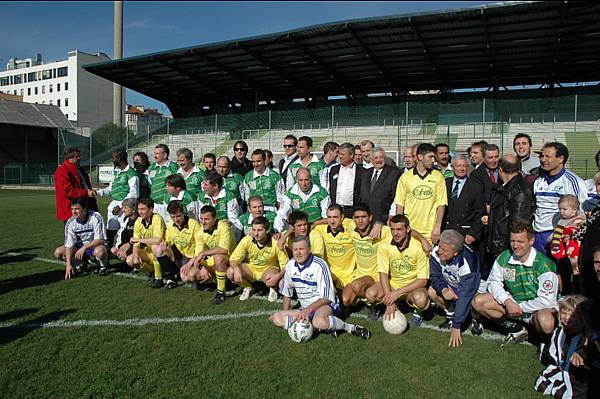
x=106, y=174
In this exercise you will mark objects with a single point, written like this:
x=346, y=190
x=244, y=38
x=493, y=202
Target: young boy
x=122, y=246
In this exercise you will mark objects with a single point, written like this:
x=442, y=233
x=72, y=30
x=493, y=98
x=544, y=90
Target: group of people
x=481, y=237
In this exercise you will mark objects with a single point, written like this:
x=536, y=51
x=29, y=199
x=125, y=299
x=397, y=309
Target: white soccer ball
x=300, y=331
x=396, y=325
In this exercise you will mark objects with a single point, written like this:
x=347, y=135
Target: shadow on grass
x=32, y=280
x=15, y=314
x=11, y=333
x=18, y=250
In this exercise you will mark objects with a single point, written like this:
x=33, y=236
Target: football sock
x=110, y=237
x=336, y=324
x=157, y=270
x=288, y=322
x=221, y=280
x=167, y=266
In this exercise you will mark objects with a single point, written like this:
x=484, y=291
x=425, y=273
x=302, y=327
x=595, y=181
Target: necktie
x=455, y=189
x=374, y=178
x=492, y=176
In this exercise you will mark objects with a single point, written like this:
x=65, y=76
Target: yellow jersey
x=258, y=258
x=421, y=196
x=339, y=249
x=402, y=267
x=187, y=239
x=156, y=228
x=221, y=237
x=366, y=252
x=316, y=243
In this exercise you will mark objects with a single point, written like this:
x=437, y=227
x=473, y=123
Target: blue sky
x=54, y=28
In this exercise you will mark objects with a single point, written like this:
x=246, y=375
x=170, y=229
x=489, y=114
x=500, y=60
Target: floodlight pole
x=118, y=54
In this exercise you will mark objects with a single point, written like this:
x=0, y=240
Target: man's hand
x=577, y=360
x=469, y=239
x=389, y=311
x=302, y=315
x=272, y=280
x=184, y=271
x=512, y=308
x=136, y=259
x=80, y=253
x=390, y=298
x=116, y=210
x=449, y=294
x=455, y=338
x=92, y=193
x=276, y=237
x=435, y=235
x=484, y=220
x=375, y=231
x=237, y=275
x=68, y=272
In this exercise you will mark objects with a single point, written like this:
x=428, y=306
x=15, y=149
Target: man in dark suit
x=487, y=174
x=344, y=180
x=378, y=186
x=464, y=210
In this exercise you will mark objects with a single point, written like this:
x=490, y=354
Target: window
x=66, y=102
x=51, y=102
x=58, y=102
x=15, y=92
x=58, y=87
x=43, y=89
x=31, y=77
x=22, y=92
x=61, y=72
x=47, y=74
x=54, y=73
x=18, y=79
x=66, y=85
x=29, y=91
x=50, y=88
x=35, y=90
x=4, y=81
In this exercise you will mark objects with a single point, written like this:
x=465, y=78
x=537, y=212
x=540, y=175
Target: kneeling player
x=403, y=270
x=149, y=230
x=183, y=241
x=123, y=247
x=84, y=238
x=257, y=258
x=309, y=276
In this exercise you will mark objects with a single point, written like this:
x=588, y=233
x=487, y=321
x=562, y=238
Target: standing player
x=149, y=230
x=214, y=194
x=157, y=174
x=306, y=159
x=256, y=209
x=403, y=270
x=263, y=182
x=191, y=173
x=257, y=258
x=177, y=191
x=84, y=239
x=305, y=196
x=231, y=181
x=309, y=277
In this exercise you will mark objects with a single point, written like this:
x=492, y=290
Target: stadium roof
x=505, y=44
x=29, y=114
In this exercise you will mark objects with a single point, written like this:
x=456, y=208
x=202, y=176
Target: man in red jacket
x=71, y=182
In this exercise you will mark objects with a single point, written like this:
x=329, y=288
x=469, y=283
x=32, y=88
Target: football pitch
x=113, y=336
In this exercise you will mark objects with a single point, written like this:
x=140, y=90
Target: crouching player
x=455, y=277
x=123, y=247
x=149, y=230
x=84, y=239
x=257, y=258
x=403, y=270
x=310, y=278
x=183, y=241
x=522, y=288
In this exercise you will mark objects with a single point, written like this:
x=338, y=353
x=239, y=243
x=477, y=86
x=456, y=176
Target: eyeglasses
x=289, y=145
x=239, y=149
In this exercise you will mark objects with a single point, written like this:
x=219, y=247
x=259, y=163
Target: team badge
x=510, y=274
x=295, y=204
x=548, y=285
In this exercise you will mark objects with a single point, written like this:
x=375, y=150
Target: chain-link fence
x=573, y=120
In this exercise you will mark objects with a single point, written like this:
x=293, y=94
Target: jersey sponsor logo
x=422, y=192
x=252, y=185
x=400, y=266
x=548, y=285
x=152, y=173
x=364, y=249
x=510, y=274
x=337, y=249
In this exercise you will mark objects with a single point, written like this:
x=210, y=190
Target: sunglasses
x=289, y=145
x=239, y=149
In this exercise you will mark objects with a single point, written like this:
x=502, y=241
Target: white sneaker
x=272, y=295
x=246, y=293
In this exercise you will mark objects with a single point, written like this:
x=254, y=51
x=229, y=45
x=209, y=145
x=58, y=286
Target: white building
x=84, y=98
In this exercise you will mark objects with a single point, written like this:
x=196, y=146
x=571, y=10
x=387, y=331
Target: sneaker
x=334, y=334
x=446, y=324
x=169, y=285
x=374, y=313
x=272, y=295
x=219, y=298
x=103, y=271
x=416, y=320
x=156, y=283
x=515, y=338
x=246, y=292
x=476, y=327
x=360, y=331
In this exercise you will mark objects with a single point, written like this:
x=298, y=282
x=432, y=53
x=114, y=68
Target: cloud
x=149, y=23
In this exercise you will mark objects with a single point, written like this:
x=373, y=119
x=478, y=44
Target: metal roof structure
x=29, y=114
x=505, y=44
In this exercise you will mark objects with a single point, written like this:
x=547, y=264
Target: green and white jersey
x=314, y=204
x=532, y=284
x=268, y=186
x=317, y=168
x=157, y=175
x=233, y=183
x=125, y=184
x=244, y=223
x=189, y=202
x=193, y=181
x=225, y=203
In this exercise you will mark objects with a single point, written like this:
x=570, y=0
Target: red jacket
x=67, y=185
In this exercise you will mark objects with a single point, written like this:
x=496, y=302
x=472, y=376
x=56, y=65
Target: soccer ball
x=300, y=331
x=396, y=325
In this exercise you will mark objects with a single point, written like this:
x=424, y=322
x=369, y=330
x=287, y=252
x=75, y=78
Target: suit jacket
x=380, y=198
x=464, y=213
x=480, y=176
x=334, y=172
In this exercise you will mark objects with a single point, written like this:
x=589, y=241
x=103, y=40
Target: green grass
x=244, y=357
x=585, y=145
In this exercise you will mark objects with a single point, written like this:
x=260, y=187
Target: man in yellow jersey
x=421, y=195
x=339, y=248
x=213, y=261
x=403, y=270
x=149, y=230
x=183, y=241
x=299, y=226
x=257, y=258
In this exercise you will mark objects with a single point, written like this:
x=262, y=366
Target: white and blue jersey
x=80, y=233
x=548, y=190
x=311, y=281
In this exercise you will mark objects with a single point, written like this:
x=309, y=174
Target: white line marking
x=136, y=322
x=55, y=261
